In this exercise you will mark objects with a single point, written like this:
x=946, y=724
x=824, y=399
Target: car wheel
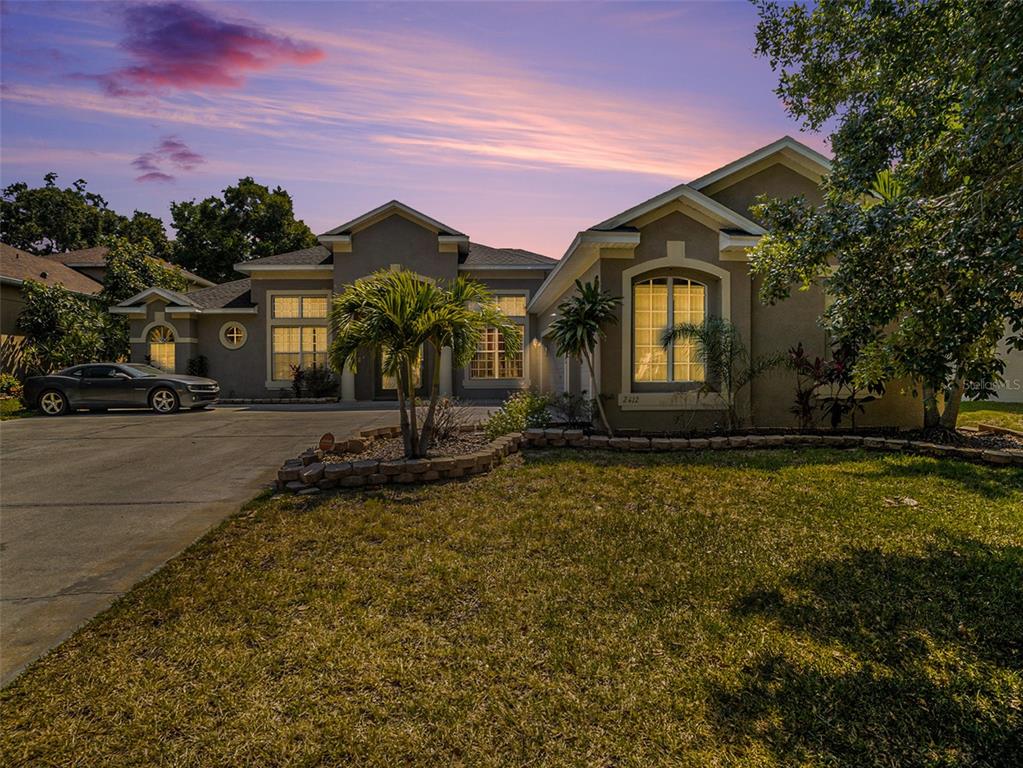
x=163, y=400
x=53, y=403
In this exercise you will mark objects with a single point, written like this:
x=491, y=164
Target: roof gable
x=785, y=151
x=172, y=297
x=689, y=197
x=394, y=207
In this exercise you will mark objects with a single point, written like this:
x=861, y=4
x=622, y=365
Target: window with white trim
x=298, y=345
x=299, y=307
x=161, y=348
x=658, y=303
x=490, y=360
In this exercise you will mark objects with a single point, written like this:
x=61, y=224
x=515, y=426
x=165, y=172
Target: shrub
x=198, y=366
x=297, y=380
x=320, y=382
x=523, y=410
x=9, y=385
x=448, y=417
x=575, y=410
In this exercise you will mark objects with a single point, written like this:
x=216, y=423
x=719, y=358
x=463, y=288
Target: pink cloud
x=169, y=151
x=182, y=46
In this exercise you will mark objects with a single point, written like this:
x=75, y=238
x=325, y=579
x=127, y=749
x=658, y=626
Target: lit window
x=161, y=348
x=656, y=305
x=490, y=361
x=299, y=307
x=233, y=335
x=297, y=345
x=391, y=382
x=511, y=306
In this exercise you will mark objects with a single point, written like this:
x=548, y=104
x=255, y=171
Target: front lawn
x=750, y=608
x=986, y=412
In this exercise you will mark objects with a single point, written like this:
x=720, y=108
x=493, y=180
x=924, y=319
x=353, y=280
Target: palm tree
x=727, y=363
x=580, y=325
x=398, y=315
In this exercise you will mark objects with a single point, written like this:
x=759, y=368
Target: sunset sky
x=517, y=123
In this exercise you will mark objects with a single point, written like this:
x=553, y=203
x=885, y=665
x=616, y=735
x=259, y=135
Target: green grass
x=11, y=408
x=760, y=608
x=999, y=414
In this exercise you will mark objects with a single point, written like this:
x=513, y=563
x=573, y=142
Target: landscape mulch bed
x=393, y=448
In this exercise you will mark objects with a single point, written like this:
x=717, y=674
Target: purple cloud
x=176, y=45
x=169, y=151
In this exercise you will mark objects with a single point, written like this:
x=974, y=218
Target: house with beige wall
x=681, y=255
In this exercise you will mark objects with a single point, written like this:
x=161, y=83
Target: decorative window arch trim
x=675, y=259
x=143, y=338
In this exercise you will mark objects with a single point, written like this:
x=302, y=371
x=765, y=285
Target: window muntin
x=304, y=345
x=658, y=303
x=233, y=335
x=161, y=348
x=511, y=305
x=299, y=307
x=490, y=362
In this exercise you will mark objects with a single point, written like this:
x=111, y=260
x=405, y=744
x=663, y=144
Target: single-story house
x=92, y=262
x=682, y=255
x=17, y=266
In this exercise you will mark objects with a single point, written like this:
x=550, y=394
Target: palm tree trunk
x=413, y=416
x=406, y=427
x=426, y=435
x=596, y=392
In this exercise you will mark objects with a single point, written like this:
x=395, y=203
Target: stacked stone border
x=576, y=438
x=309, y=474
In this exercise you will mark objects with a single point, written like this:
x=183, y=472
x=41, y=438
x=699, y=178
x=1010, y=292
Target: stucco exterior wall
x=776, y=181
x=12, y=302
x=183, y=326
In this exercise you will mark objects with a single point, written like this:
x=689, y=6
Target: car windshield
x=139, y=370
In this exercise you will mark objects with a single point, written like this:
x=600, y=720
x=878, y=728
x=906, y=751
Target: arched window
x=161, y=347
x=658, y=303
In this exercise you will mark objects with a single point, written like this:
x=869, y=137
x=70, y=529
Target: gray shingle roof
x=236, y=294
x=17, y=264
x=97, y=257
x=485, y=256
x=314, y=256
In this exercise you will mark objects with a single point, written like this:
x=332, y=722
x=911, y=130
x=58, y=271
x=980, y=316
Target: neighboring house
x=682, y=255
x=252, y=331
x=17, y=266
x=92, y=262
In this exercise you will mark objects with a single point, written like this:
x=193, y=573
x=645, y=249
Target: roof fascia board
x=812, y=157
x=250, y=268
x=592, y=239
x=173, y=297
x=499, y=267
x=395, y=206
x=695, y=198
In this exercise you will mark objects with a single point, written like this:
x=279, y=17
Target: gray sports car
x=98, y=386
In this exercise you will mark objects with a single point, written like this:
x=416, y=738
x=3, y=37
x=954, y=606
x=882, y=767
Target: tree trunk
x=596, y=392
x=950, y=413
x=932, y=418
x=406, y=429
x=426, y=434
x=413, y=416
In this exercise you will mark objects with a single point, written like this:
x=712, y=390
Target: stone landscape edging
x=309, y=474
x=576, y=438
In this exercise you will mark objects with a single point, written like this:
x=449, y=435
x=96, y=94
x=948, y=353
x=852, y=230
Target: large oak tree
x=248, y=221
x=920, y=236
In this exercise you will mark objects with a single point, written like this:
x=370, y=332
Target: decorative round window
x=233, y=335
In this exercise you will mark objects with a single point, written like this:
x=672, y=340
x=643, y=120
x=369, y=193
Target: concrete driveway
x=92, y=503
